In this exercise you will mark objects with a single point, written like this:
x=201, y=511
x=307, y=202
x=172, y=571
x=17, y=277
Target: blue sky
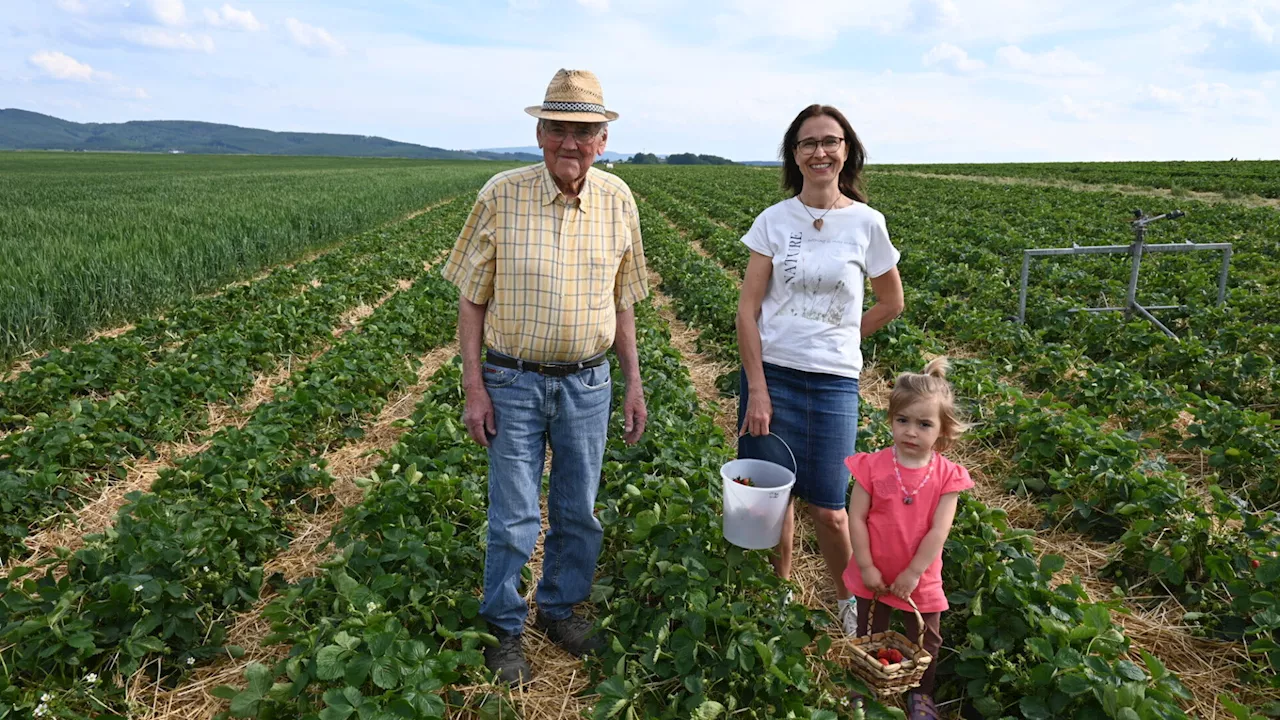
x=921, y=80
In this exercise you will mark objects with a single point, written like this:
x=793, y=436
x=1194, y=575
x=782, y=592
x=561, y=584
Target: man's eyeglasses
x=809, y=146
x=581, y=133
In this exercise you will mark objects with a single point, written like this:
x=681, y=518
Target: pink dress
x=896, y=529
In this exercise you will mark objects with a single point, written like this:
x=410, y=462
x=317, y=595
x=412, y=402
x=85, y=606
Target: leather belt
x=548, y=369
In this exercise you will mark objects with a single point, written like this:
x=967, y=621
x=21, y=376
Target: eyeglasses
x=582, y=133
x=809, y=146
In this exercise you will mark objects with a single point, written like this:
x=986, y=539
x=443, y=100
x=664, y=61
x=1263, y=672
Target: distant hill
x=609, y=156
x=25, y=130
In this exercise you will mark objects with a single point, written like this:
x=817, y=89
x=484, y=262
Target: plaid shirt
x=554, y=273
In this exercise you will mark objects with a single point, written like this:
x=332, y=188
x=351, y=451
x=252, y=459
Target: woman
x=800, y=322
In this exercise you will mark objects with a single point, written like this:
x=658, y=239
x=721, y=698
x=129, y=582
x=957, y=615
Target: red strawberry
x=884, y=662
x=1255, y=564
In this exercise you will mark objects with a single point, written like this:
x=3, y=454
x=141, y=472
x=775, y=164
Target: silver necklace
x=909, y=497
x=817, y=222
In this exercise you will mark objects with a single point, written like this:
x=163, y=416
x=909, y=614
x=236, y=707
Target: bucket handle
x=795, y=465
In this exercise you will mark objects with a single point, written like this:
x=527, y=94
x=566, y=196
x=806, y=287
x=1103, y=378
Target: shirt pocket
x=600, y=281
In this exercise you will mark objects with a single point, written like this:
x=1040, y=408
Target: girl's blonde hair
x=911, y=388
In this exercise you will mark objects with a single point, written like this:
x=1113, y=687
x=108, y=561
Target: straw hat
x=573, y=96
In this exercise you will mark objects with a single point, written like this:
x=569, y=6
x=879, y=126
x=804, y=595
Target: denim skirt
x=817, y=415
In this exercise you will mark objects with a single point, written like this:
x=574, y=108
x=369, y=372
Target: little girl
x=900, y=511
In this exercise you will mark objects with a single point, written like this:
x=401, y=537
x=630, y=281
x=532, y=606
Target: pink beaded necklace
x=909, y=497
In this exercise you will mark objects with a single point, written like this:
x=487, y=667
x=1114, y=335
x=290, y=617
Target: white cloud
x=312, y=37
x=595, y=5
x=1070, y=108
x=63, y=67
x=72, y=6
x=931, y=14
x=167, y=12
x=1057, y=62
x=1258, y=17
x=231, y=18
x=1205, y=96
x=952, y=56
x=168, y=39
x=131, y=93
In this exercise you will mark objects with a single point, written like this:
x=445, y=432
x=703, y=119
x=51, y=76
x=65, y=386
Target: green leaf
x=386, y=673
x=988, y=706
x=1073, y=684
x=245, y=704
x=1131, y=671
x=329, y=664
x=1041, y=646
x=259, y=677
x=1034, y=708
x=709, y=710
x=645, y=522
x=357, y=669
x=1154, y=666
x=1068, y=658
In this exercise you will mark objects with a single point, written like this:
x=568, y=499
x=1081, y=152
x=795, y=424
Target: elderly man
x=549, y=267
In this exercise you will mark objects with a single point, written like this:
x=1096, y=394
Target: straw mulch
x=560, y=688
x=703, y=369
x=193, y=699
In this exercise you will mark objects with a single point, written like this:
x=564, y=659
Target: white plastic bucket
x=753, y=514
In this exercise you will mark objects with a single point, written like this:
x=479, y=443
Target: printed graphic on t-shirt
x=815, y=300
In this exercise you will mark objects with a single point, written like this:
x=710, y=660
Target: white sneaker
x=849, y=619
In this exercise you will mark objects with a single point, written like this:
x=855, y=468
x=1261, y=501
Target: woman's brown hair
x=850, y=175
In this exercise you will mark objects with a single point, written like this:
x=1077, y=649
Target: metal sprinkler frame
x=1135, y=250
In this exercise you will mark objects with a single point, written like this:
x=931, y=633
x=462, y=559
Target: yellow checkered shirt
x=554, y=273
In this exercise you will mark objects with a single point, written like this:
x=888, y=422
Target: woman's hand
x=759, y=413
x=905, y=584
x=872, y=578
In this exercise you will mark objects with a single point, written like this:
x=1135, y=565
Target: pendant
x=907, y=499
x=817, y=224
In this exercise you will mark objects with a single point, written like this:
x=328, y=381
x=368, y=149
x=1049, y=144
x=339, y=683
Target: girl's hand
x=874, y=581
x=905, y=584
x=759, y=413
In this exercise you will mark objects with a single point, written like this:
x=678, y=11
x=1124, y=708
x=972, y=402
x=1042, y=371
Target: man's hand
x=634, y=413
x=478, y=416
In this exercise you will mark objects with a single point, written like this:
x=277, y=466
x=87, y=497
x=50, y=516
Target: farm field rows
x=1092, y=439
x=1232, y=179
x=93, y=240
x=1089, y=427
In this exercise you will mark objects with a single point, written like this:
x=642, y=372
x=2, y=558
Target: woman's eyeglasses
x=809, y=146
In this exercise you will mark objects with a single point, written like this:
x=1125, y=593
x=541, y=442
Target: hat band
x=573, y=107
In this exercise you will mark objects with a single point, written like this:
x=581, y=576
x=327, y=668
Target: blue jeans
x=817, y=415
x=530, y=410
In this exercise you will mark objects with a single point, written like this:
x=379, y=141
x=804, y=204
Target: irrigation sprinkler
x=1135, y=251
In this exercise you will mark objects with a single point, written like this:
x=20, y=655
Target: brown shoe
x=507, y=660
x=576, y=635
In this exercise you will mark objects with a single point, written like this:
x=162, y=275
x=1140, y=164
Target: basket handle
x=871, y=617
x=795, y=465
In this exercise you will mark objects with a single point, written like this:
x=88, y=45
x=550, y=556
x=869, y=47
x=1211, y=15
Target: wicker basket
x=886, y=681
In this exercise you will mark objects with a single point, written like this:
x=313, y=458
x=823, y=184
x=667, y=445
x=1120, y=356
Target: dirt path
x=194, y=699
x=99, y=514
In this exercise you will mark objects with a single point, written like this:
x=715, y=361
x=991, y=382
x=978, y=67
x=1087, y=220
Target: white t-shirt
x=812, y=313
